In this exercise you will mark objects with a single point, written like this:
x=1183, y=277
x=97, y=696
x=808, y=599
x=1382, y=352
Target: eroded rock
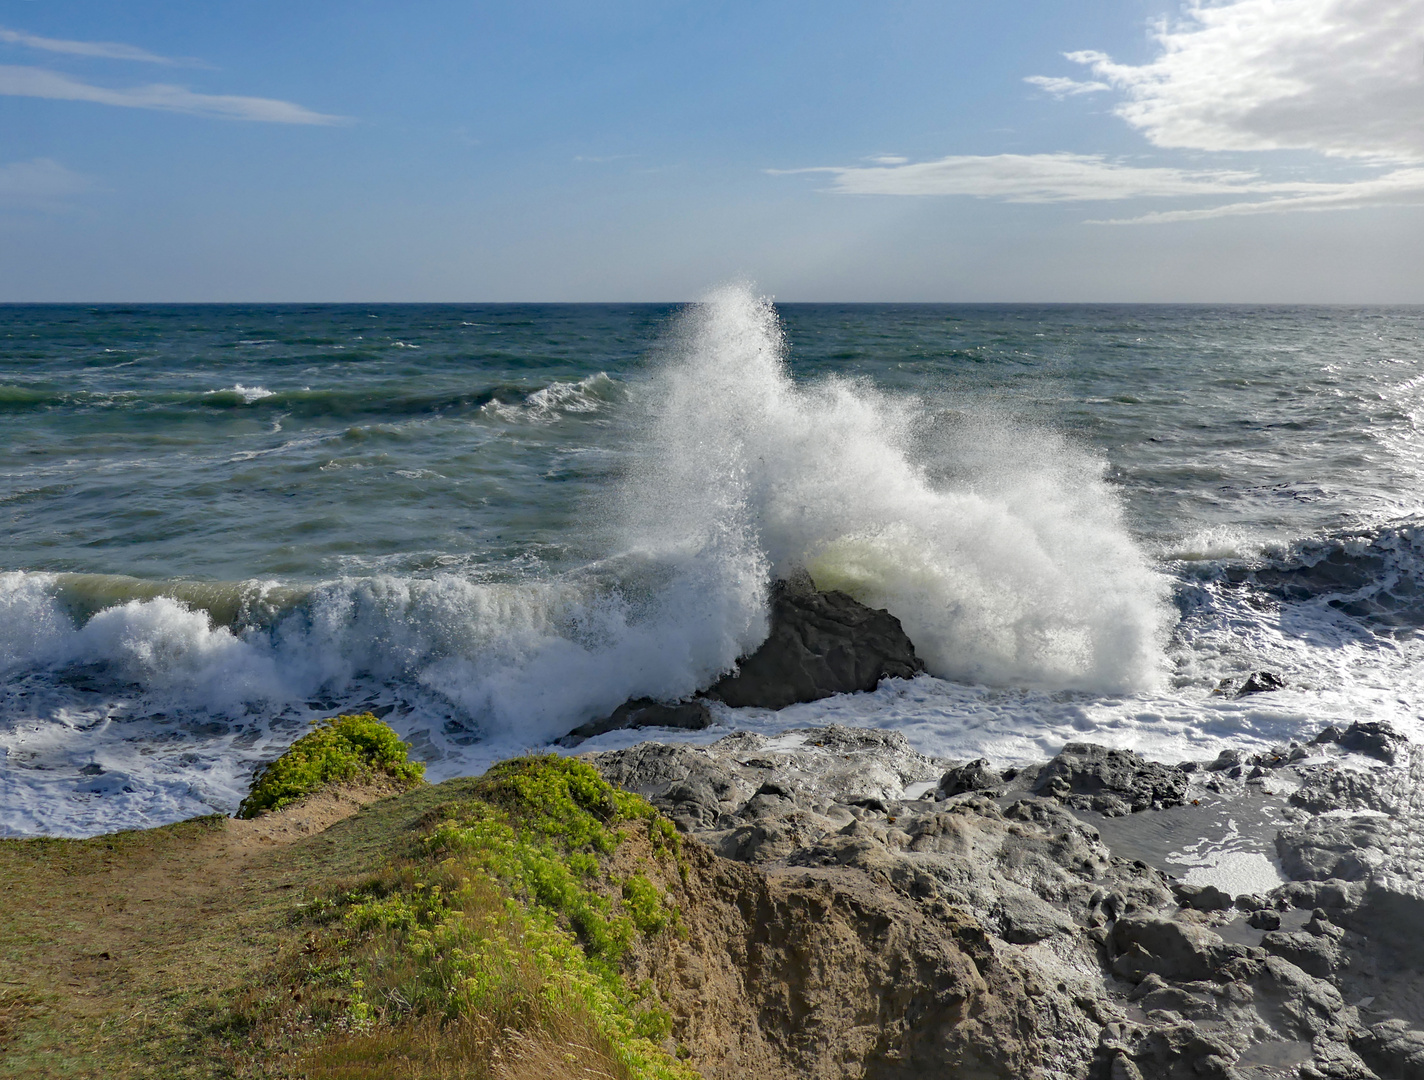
x=1117, y=975
x=1112, y=782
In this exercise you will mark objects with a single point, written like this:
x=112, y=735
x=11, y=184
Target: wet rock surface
x=644, y=712
x=1112, y=782
x=1099, y=964
x=820, y=644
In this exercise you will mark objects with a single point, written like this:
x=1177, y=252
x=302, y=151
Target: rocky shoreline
x=1073, y=919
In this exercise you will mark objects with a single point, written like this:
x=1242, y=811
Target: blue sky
x=1245, y=150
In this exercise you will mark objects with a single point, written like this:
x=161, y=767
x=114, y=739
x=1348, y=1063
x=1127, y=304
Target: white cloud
x=40, y=181
x=1341, y=77
x=1066, y=178
x=108, y=50
x=888, y=159
x=1035, y=178
x=1061, y=88
x=1402, y=187
x=43, y=83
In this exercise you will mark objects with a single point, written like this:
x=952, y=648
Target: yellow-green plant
x=505, y=921
x=341, y=750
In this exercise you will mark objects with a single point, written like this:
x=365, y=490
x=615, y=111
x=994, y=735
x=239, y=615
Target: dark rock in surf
x=1260, y=682
x=821, y=643
x=1375, y=739
x=644, y=712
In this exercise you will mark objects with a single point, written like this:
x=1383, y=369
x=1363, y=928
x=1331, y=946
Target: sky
x=1250, y=151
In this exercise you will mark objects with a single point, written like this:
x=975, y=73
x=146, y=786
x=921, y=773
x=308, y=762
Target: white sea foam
x=548, y=404
x=1216, y=542
x=247, y=394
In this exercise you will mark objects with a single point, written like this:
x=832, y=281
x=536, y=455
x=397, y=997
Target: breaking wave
x=1373, y=575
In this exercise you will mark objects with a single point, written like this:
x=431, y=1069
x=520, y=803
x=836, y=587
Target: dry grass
x=560, y=1049
x=184, y=952
x=118, y=954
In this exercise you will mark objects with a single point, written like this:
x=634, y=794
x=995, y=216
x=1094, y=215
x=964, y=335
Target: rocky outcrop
x=821, y=643
x=644, y=712
x=1112, y=782
x=884, y=871
x=796, y=973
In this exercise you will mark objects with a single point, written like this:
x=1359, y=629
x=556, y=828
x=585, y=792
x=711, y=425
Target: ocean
x=491, y=523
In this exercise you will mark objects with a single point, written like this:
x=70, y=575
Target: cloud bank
x=1340, y=78
x=1064, y=178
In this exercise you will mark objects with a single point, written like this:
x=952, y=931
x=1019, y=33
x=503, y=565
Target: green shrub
x=348, y=748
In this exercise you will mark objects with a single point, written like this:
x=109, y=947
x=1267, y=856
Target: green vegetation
x=343, y=750
x=499, y=931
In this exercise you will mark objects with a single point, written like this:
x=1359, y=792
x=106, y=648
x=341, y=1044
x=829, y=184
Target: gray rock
x=1342, y=848
x=1314, y=954
x=1112, y=782
x=974, y=776
x=821, y=643
x=1150, y=944
x=1203, y=897
x=1227, y=759
x=1395, y=1049
x=1376, y=739
x=1039, y=888
x=1264, y=919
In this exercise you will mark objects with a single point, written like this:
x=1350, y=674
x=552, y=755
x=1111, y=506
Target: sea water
x=490, y=524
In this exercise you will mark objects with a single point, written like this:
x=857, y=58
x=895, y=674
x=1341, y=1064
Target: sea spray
x=1020, y=571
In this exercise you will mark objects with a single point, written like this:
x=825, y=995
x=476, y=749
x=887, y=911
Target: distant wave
x=376, y=401
x=589, y=395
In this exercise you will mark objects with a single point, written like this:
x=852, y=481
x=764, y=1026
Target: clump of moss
x=502, y=927
x=341, y=750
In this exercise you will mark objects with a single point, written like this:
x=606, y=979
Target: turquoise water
x=493, y=522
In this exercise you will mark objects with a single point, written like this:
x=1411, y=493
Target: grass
x=474, y=928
